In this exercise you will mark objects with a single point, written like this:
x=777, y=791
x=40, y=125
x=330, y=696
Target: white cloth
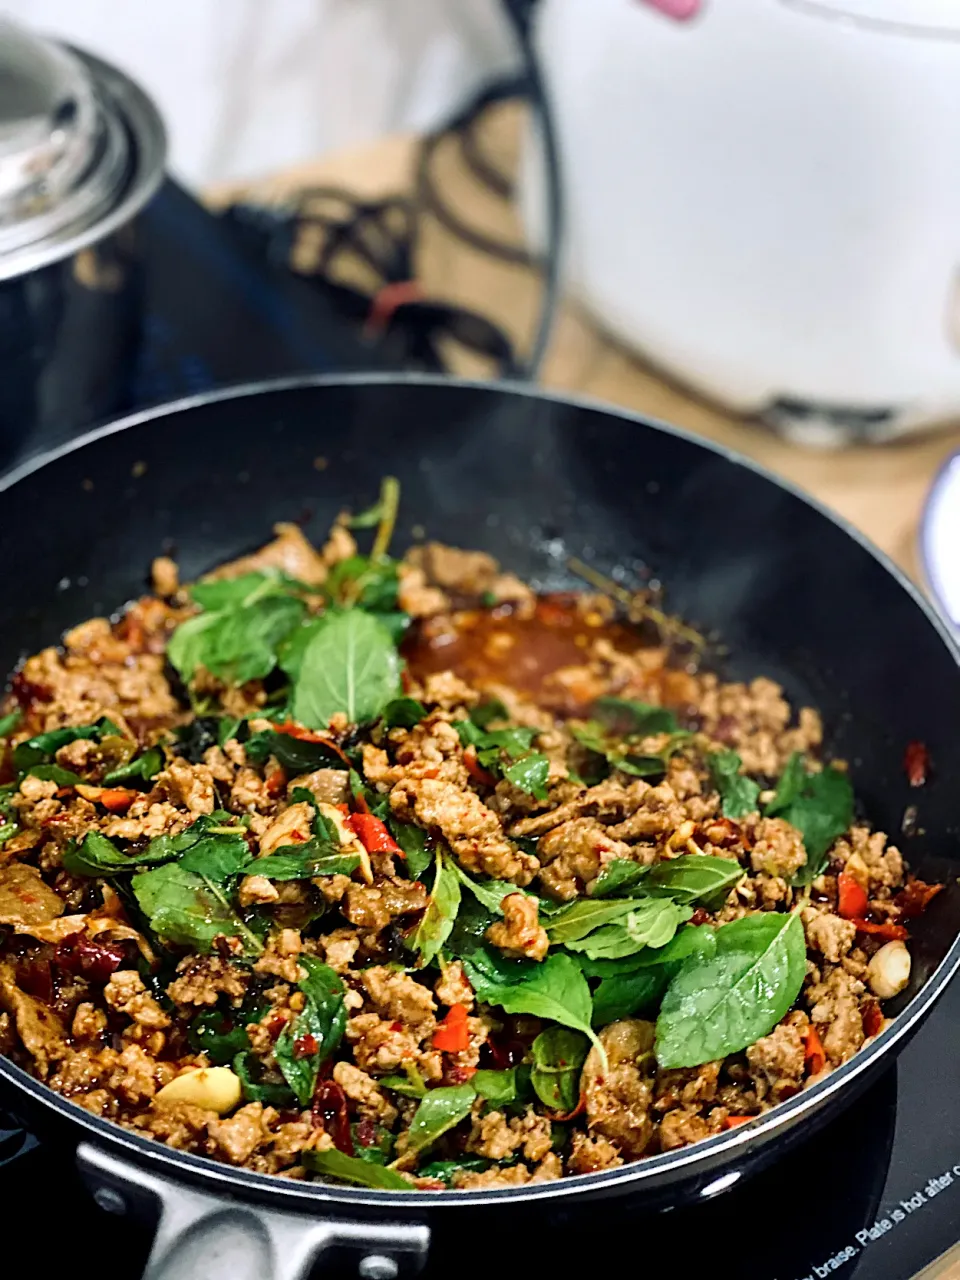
x=247, y=86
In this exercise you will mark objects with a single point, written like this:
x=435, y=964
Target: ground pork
x=883, y=862
x=617, y=1100
x=834, y=1007
x=776, y=1061
x=201, y=980
x=40, y=1030
x=290, y=552
x=520, y=932
x=126, y=993
x=190, y=785
x=365, y=1093
x=573, y=854
x=453, y=987
x=495, y=1136
x=328, y=786
x=589, y=1153
x=399, y=997
x=473, y=832
x=831, y=935
x=25, y=898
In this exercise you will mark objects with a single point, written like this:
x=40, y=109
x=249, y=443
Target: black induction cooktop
x=875, y=1195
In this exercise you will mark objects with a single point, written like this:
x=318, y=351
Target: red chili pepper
x=852, y=902
x=731, y=1122
x=297, y=731
x=563, y=1116
x=344, y=808
x=117, y=799
x=887, y=929
x=276, y=782
x=453, y=1034
x=367, y=1133
x=306, y=1046
x=813, y=1053
x=373, y=834
x=476, y=769
x=700, y=916
x=916, y=895
x=275, y=1024
x=92, y=960
x=871, y=1015
x=916, y=763
x=455, y=1074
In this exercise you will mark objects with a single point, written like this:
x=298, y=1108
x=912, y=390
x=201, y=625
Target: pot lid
x=64, y=154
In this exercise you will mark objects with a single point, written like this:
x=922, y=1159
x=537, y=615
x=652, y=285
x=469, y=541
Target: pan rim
x=661, y=1169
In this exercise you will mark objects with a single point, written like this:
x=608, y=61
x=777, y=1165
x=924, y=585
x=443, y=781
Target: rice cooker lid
x=66, y=153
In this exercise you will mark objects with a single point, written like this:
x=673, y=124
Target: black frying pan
x=531, y=478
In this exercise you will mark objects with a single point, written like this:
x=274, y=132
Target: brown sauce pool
x=525, y=650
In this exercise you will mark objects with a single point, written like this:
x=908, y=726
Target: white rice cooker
x=763, y=199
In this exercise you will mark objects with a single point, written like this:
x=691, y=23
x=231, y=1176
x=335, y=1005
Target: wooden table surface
x=880, y=489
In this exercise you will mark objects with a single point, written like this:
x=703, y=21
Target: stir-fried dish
x=390, y=872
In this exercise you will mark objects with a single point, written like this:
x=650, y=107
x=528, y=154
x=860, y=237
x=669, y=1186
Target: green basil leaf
x=322, y=1021
x=218, y=1037
x=618, y=877
x=351, y=667
x=583, y=916
x=246, y=589
x=487, y=968
x=413, y=841
x=295, y=754
x=438, y=919
x=304, y=862
x=185, y=908
x=443, y=1170
x=362, y=1173
x=554, y=989
x=691, y=940
x=237, y=643
x=54, y=773
x=738, y=793
x=558, y=1058
x=485, y=713
x=403, y=713
x=218, y=858
x=624, y=995
x=7, y=829
x=619, y=754
x=9, y=722
x=44, y=746
x=143, y=769
x=651, y=922
x=819, y=805
x=719, y=1006
x=490, y=893
x=371, y=585
x=245, y=1066
x=440, y=1110
x=96, y=855
x=529, y=774
x=403, y=1085
x=626, y=716
x=499, y=1088
x=694, y=877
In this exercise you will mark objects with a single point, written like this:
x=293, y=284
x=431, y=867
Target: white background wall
x=246, y=86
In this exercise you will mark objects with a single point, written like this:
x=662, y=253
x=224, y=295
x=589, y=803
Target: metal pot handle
x=204, y=1237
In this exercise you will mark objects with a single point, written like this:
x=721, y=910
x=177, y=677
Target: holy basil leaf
x=413, y=841
x=403, y=713
x=555, y=989
x=7, y=829
x=237, y=643
x=438, y=919
x=297, y=755
x=629, y=717
x=440, y=1110
x=582, y=917
x=485, y=713
x=363, y=1173
x=219, y=823
x=143, y=769
x=617, y=877
x=44, y=746
x=738, y=793
x=304, y=862
x=719, y=1006
x=624, y=995
x=620, y=753
x=489, y=892
x=350, y=667
x=218, y=858
x=217, y=1036
x=499, y=1088
x=487, y=968
x=443, y=1170
x=185, y=908
x=369, y=584
x=558, y=1057
x=315, y=1032
x=650, y=922
x=96, y=855
x=246, y=1066
x=529, y=774
x=214, y=594
x=55, y=773
x=195, y=739
x=691, y=940
x=9, y=722
x=694, y=877
x=819, y=805
x=403, y=1085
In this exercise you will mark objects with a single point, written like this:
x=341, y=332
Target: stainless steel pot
x=82, y=150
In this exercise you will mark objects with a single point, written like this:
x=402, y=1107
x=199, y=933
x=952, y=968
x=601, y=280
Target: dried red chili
x=476, y=769
x=813, y=1052
x=89, y=959
x=915, y=896
x=366, y=1133
x=306, y=1046
x=916, y=763
x=276, y=782
x=886, y=929
x=871, y=1015
x=330, y=1106
x=732, y=1122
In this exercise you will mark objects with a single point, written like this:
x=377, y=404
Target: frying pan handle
x=203, y=1237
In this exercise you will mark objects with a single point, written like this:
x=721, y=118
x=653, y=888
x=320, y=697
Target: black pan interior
x=791, y=592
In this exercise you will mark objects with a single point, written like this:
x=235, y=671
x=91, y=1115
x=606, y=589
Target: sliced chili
x=871, y=1015
x=887, y=929
x=276, y=782
x=731, y=1122
x=373, y=834
x=453, y=1033
x=916, y=895
x=852, y=902
x=330, y=1106
x=916, y=763
x=813, y=1053
x=476, y=769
